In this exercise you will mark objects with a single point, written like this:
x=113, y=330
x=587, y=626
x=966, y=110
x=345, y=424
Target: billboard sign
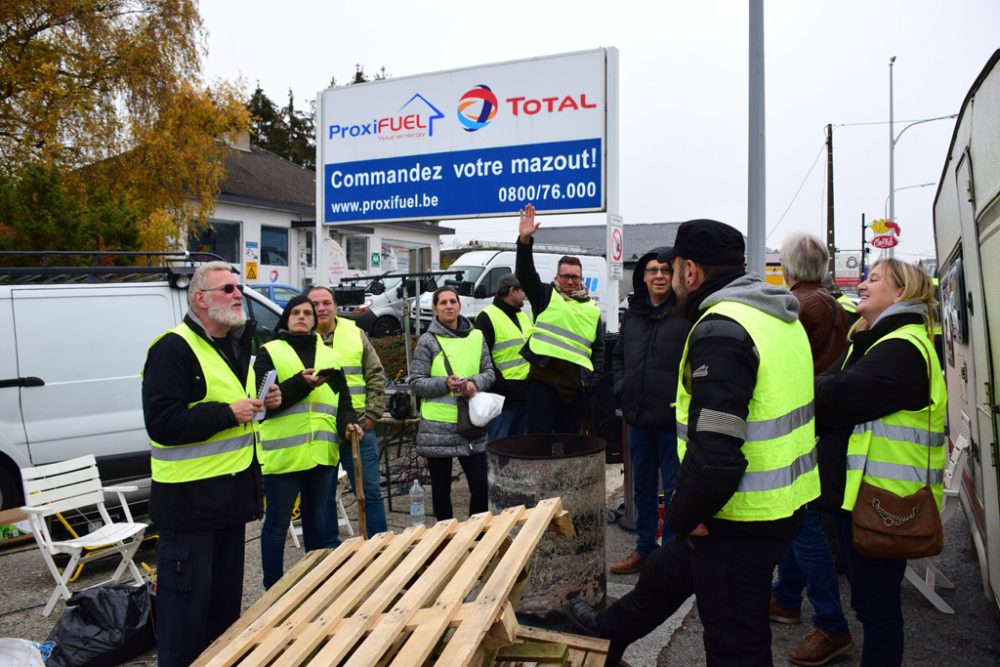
x=481, y=141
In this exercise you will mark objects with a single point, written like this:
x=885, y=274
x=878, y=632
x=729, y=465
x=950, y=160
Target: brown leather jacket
x=825, y=323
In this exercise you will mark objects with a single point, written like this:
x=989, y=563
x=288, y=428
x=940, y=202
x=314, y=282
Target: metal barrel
x=528, y=468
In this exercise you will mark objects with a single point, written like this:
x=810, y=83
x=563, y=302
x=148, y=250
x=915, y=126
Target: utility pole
x=831, y=244
x=864, y=250
x=756, y=210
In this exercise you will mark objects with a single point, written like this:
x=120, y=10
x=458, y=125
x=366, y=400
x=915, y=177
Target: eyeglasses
x=653, y=270
x=569, y=276
x=228, y=288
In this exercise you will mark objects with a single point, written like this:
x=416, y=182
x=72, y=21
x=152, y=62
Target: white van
x=484, y=268
x=70, y=364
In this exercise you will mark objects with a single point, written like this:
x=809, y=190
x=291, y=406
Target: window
x=274, y=246
x=307, y=247
x=492, y=279
x=220, y=238
x=356, y=248
x=265, y=319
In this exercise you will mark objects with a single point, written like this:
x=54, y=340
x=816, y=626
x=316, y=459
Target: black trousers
x=474, y=467
x=199, y=590
x=729, y=572
x=549, y=413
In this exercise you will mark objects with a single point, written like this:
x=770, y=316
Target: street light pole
x=892, y=149
x=885, y=204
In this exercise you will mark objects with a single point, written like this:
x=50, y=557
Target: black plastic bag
x=105, y=625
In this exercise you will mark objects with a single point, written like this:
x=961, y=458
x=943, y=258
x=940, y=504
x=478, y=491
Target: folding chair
x=932, y=577
x=342, y=520
x=73, y=485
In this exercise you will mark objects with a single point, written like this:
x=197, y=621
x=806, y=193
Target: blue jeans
x=371, y=477
x=653, y=452
x=808, y=564
x=875, y=590
x=313, y=486
x=513, y=420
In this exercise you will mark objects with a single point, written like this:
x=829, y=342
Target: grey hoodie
x=749, y=289
x=438, y=439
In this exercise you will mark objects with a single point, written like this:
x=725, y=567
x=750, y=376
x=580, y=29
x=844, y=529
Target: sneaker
x=779, y=614
x=629, y=565
x=819, y=647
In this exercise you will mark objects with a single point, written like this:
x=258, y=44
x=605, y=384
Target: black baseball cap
x=506, y=283
x=707, y=242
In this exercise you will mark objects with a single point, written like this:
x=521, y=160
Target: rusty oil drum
x=528, y=468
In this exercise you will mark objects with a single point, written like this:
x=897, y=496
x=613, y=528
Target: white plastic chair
x=74, y=485
x=342, y=520
x=931, y=576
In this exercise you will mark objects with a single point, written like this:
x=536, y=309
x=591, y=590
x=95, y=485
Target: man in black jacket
x=562, y=375
x=644, y=364
x=744, y=475
x=205, y=487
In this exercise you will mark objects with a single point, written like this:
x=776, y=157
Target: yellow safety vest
x=507, y=343
x=779, y=446
x=464, y=355
x=893, y=451
x=228, y=451
x=346, y=342
x=566, y=330
x=304, y=434
x=847, y=303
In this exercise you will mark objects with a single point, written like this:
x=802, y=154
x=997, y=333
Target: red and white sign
x=885, y=241
x=616, y=246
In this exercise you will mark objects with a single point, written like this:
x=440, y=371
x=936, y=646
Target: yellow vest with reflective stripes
x=464, y=355
x=566, y=330
x=346, y=342
x=228, y=451
x=304, y=434
x=507, y=343
x=847, y=303
x=893, y=451
x=779, y=446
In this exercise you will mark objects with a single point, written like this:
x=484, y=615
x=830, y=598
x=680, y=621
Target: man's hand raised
x=527, y=225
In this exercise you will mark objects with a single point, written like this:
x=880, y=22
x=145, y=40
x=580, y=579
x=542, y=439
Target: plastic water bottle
x=417, y=503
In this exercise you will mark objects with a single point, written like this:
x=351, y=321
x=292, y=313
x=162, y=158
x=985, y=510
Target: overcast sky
x=683, y=68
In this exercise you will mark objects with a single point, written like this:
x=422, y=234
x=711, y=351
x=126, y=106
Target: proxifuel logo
x=414, y=119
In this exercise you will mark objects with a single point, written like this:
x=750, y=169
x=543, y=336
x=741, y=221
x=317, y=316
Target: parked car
x=69, y=371
x=280, y=294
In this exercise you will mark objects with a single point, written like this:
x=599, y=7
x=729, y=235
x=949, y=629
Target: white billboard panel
x=467, y=143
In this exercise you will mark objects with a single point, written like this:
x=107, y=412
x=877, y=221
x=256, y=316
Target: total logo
x=417, y=123
x=477, y=108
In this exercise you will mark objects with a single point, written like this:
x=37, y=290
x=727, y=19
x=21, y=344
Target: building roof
x=259, y=177
x=639, y=238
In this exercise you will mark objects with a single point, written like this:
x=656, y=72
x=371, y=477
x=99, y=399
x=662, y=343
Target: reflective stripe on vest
x=847, y=303
x=895, y=448
x=346, y=342
x=508, y=341
x=566, y=330
x=228, y=451
x=779, y=446
x=464, y=354
x=304, y=434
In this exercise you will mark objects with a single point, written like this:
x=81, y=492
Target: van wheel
x=10, y=490
x=386, y=326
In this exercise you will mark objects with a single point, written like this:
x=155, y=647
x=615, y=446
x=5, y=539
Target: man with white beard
x=199, y=400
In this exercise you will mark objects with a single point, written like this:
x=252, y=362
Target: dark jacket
x=514, y=390
x=714, y=463
x=566, y=377
x=172, y=379
x=890, y=378
x=294, y=389
x=825, y=322
x=644, y=363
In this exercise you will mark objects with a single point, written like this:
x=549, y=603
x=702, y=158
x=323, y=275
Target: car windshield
x=470, y=274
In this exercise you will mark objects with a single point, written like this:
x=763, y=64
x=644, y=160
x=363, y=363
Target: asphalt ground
x=969, y=637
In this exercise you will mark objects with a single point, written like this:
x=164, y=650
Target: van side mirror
x=482, y=292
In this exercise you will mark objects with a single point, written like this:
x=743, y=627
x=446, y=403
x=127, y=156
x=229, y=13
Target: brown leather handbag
x=885, y=525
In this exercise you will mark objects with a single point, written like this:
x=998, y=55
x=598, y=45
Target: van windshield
x=470, y=273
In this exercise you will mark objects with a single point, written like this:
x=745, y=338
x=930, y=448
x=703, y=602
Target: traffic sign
x=616, y=246
x=251, y=270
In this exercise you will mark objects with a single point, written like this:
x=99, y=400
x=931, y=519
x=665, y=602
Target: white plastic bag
x=484, y=406
x=20, y=653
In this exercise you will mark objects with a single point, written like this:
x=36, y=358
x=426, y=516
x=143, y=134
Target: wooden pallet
x=442, y=595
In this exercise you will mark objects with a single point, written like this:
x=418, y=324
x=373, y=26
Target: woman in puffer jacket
x=453, y=336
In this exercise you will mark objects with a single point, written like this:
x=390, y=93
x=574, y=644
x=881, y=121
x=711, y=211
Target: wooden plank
x=452, y=568
x=353, y=629
x=562, y=524
x=262, y=605
x=504, y=632
x=539, y=652
x=462, y=647
x=573, y=641
x=425, y=636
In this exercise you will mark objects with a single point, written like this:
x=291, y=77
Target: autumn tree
x=107, y=96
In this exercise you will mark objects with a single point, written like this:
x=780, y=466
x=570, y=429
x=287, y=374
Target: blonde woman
x=881, y=418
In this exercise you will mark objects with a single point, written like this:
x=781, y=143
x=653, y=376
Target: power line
x=795, y=196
